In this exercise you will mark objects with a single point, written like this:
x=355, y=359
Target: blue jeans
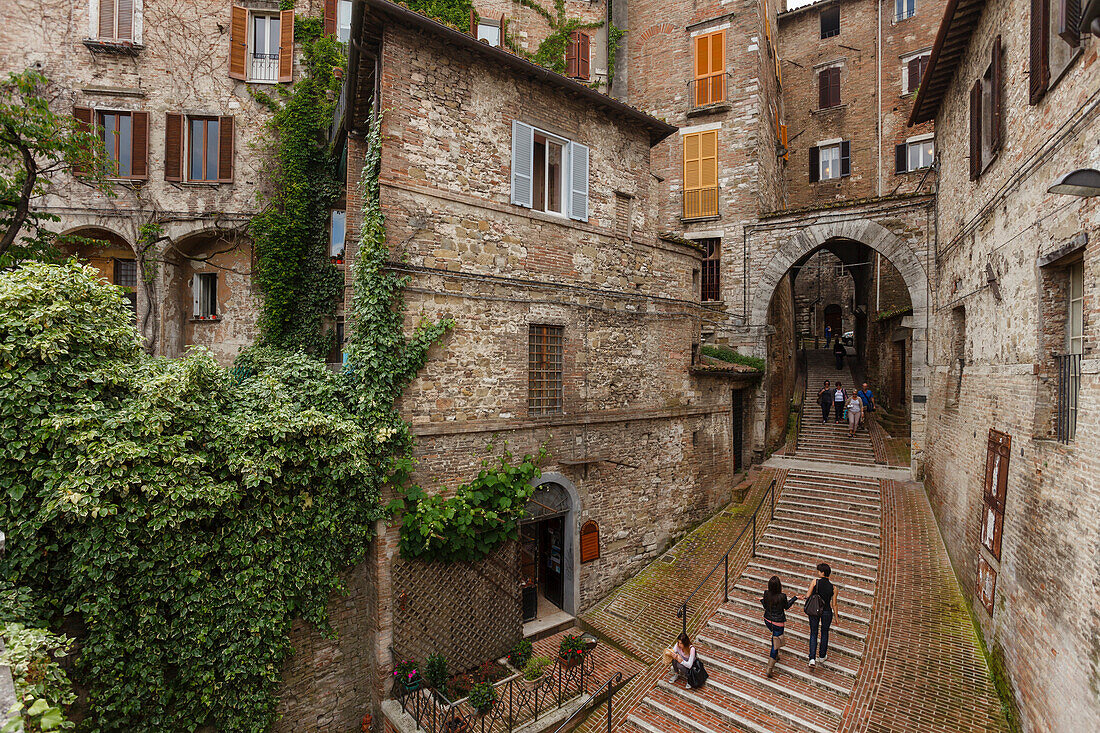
x=776, y=631
x=824, y=621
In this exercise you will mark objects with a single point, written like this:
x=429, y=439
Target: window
x=1055, y=41
x=577, y=55
x=712, y=266
x=336, y=353
x=338, y=221
x=710, y=68
x=904, y=9
x=198, y=148
x=203, y=147
x=125, y=137
x=913, y=155
x=830, y=21
x=831, y=161
x=957, y=354
x=118, y=140
x=545, y=370
x=590, y=542
x=343, y=20
x=204, y=289
x=488, y=30
x=1069, y=363
x=912, y=73
x=549, y=173
x=998, y=452
x=985, y=114
x=1075, y=315
x=116, y=20
x=125, y=277
x=700, y=174
x=264, y=56
x=261, y=45
x=828, y=88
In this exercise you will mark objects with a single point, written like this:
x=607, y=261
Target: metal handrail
x=610, y=685
x=682, y=610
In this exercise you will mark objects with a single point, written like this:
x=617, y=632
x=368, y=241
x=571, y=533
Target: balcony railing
x=708, y=90
x=265, y=67
x=1069, y=387
x=701, y=203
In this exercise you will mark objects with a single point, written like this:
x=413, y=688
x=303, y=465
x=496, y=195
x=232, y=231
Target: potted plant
x=520, y=653
x=571, y=650
x=407, y=674
x=535, y=671
x=482, y=697
x=435, y=672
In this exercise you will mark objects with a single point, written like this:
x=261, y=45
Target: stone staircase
x=819, y=516
x=829, y=441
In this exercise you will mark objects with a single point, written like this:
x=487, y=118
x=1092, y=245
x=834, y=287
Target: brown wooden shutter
x=107, y=18
x=124, y=18
x=815, y=164
x=976, y=130
x=583, y=55
x=571, y=62
x=238, y=43
x=995, y=96
x=845, y=158
x=84, y=116
x=1039, y=69
x=1069, y=16
x=286, y=45
x=590, y=542
x=139, y=145
x=330, y=17
x=173, y=147
x=225, y=149
x=834, y=87
x=901, y=158
x=914, y=74
x=823, y=89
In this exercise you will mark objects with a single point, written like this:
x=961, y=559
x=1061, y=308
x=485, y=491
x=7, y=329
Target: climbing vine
x=551, y=52
x=299, y=284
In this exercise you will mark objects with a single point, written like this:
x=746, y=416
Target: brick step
x=799, y=498
x=807, y=515
x=809, y=565
x=699, y=714
x=845, y=447
x=724, y=695
x=834, y=484
x=743, y=584
x=651, y=720
x=798, y=627
x=842, y=561
x=823, y=530
x=817, y=540
x=834, y=493
x=762, y=573
x=721, y=641
x=832, y=429
x=797, y=473
x=750, y=598
x=844, y=442
x=847, y=653
x=816, y=455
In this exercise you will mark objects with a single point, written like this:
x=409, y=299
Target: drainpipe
x=878, y=94
x=878, y=280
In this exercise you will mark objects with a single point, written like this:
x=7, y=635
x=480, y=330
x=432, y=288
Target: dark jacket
x=839, y=350
x=825, y=396
x=776, y=613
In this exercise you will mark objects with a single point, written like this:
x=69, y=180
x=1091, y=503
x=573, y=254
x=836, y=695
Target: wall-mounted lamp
x=1082, y=182
x=1090, y=18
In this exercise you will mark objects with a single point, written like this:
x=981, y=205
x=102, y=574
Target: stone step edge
x=850, y=520
x=784, y=527
x=847, y=601
x=762, y=660
x=826, y=525
x=819, y=541
x=841, y=561
x=805, y=635
x=752, y=602
x=760, y=641
x=727, y=715
x=763, y=572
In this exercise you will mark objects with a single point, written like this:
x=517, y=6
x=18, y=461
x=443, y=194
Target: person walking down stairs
x=825, y=399
x=840, y=401
x=855, y=409
x=775, y=604
x=839, y=352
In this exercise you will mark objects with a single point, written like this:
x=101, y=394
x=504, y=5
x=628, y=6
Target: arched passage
x=855, y=235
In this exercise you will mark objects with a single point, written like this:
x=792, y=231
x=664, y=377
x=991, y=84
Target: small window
x=125, y=277
x=1075, y=320
x=549, y=173
x=914, y=155
x=337, y=232
x=488, y=31
x=712, y=267
x=985, y=114
x=264, y=52
x=830, y=162
x=205, y=292
x=336, y=354
x=904, y=9
x=118, y=141
x=590, y=542
x=203, y=146
x=912, y=73
x=343, y=20
x=710, y=69
x=830, y=21
x=578, y=56
x=838, y=269
x=700, y=175
x=828, y=81
x=545, y=360
x=116, y=20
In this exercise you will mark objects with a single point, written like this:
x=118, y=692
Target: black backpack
x=697, y=675
x=815, y=606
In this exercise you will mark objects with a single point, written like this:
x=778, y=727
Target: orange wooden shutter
x=139, y=145
x=225, y=149
x=710, y=68
x=783, y=142
x=590, y=542
x=173, y=147
x=83, y=117
x=238, y=42
x=286, y=45
x=700, y=174
x=330, y=17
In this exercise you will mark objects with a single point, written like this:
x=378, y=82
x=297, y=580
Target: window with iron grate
x=712, y=267
x=545, y=358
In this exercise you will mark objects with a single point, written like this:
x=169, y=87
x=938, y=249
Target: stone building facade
x=1015, y=98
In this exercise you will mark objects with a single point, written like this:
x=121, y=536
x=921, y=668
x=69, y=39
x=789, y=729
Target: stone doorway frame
x=570, y=540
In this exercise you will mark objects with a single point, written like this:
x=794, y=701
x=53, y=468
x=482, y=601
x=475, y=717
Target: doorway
x=542, y=559
x=834, y=321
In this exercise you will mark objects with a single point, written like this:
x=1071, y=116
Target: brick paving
x=608, y=659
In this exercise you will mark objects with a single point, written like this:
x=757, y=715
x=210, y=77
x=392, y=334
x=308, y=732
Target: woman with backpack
x=819, y=608
x=775, y=605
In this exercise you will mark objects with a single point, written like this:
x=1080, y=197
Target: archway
x=548, y=548
x=857, y=242
x=112, y=257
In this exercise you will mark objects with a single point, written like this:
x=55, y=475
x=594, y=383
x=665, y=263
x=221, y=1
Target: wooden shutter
x=590, y=542
x=571, y=61
x=834, y=86
x=139, y=145
x=238, y=42
x=1069, y=17
x=225, y=149
x=901, y=158
x=84, y=116
x=710, y=68
x=976, y=130
x=828, y=88
x=173, y=147
x=578, y=181
x=286, y=45
x=582, y=45
x=330, y=17
x=106, y=18
x=815, y=164
x=195, y=289
x=845, y=158
x=1039, y=68
x=914, y=71
x=783, y=141
x=124, y=19
x=995, y=96
x=473, y=22
x=523, y=152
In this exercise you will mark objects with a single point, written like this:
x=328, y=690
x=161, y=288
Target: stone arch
x=571, y=541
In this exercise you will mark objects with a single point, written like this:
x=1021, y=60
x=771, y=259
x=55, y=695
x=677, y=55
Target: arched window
x=590, y=542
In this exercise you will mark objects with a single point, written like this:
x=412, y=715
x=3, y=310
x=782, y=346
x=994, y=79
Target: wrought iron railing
x=265, y=67
x=701, y=203
x=767, y=502
x=518, y=702
x=1069, y=388
x=707, y=90
x=609, y=687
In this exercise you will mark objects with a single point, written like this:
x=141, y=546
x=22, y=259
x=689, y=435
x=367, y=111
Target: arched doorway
x=548, y=553
x=112, y=256
x=834, y=322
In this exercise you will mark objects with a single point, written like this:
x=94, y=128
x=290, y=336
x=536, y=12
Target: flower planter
x=412, y=686
x=570, y=661
x=486, y=708
x=532, y=684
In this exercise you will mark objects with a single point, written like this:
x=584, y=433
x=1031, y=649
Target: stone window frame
x=906, y=89
x=1055, y=276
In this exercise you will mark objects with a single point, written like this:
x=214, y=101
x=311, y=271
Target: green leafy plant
x=42, y=689
x=435, y=672
x=455, y=13
x=571, y=646
x=551, y=51
x=536, y=668
x=482, y=697
x=520, y=653
x=726, y=354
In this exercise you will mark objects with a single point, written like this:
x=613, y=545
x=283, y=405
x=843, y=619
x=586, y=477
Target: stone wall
x=1001, y=309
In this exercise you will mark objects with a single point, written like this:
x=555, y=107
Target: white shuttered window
x=549, y=173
